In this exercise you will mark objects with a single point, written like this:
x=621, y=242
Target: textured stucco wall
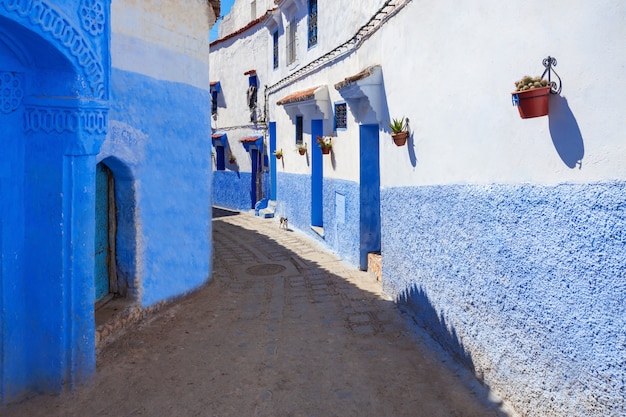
x=341, y=218
x=160, y=146
x=53, y=112
x=526, y=283
x=231, y=189
x=341, y=235
x=171, y=181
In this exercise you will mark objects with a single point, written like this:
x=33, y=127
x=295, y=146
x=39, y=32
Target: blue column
x=272, y=128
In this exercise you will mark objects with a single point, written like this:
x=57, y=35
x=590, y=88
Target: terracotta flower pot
x=533, y=102
x=232, y=160
x=278, y=156
x=325, y=150
x=302, y=151
x=399, y=138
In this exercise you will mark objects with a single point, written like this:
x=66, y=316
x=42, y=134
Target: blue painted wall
x=294, y=202
x=53, y=127
x=53, y=124
x=231, y=189
x=173, y=180
x=525, y=283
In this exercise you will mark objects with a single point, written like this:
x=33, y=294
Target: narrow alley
x=282, y=329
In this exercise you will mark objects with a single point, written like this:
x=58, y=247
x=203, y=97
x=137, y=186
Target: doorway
x=105, y=277
x=317, y=176
x=369, y=193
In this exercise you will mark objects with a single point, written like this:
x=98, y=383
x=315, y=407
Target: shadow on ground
x=282, y=329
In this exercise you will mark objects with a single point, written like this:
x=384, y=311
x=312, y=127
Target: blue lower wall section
x=526, y=283
x=294, y=202
x=341, y=224
x=168, y=135
x=231, y=189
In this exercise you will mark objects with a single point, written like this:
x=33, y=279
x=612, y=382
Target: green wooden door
x=101, y=273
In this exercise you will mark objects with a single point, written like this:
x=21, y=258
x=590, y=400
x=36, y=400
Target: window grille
x=291, y=42
x=214, y=102
x=312, y=23
x=275, y=47
x=299, y=137
x=341, y=116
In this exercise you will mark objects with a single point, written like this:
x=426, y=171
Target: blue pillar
x=272, y=128
x=254, y=156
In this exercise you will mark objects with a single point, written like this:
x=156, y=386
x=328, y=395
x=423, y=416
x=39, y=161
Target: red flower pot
x=325, y=150
x=533, y=102
x=302, y=151
x=399, y=138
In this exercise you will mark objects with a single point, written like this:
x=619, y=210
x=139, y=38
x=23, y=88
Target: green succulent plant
x=398, y=125
x=528, y=82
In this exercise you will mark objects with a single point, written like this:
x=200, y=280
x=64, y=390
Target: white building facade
x=505, y=235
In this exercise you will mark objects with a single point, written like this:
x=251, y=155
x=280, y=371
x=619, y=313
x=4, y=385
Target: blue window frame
x=299, y=124
x=341, y=116
x=275, y=48
x=312, y=23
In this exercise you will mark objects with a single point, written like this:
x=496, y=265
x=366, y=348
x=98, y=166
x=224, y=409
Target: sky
x=225, y=6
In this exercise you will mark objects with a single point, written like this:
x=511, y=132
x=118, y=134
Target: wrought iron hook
x=549, y=63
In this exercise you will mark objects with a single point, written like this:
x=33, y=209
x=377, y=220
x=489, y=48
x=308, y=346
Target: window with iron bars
x=291, y=42
x=312, y=23
x=341, y=116
x=275, y=48
x=299, y=124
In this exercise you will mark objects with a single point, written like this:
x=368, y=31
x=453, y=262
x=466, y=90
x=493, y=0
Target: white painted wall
x=229, y=61
x=241, y=13
x=145, y=34
x=452, y=73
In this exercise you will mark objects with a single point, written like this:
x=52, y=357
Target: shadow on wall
x=425, y=315
x=565, y=133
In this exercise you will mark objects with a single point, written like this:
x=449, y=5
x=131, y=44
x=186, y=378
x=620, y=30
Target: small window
x=299, y=138
x=214, y=102
x=341, y=116
x=312, y=23
x=220, y=160
x=291, y=42
x=275, y=48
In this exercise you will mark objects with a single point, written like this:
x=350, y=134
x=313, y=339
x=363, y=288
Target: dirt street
x=283, y=329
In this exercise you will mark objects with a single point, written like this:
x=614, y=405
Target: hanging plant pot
x=302, y=151
x=278, y=156
x=399, y=138
x=532, y=103
x=326, y=150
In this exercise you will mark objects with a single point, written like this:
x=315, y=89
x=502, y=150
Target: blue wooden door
x=317, y=176
x=370, y=223
x=101, y=273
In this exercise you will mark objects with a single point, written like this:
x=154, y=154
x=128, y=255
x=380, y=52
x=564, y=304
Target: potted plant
x=301, y=148
x=325, y=143
x=399, y=130
x=531, y=97
x=278, y=153
x=231, y=157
